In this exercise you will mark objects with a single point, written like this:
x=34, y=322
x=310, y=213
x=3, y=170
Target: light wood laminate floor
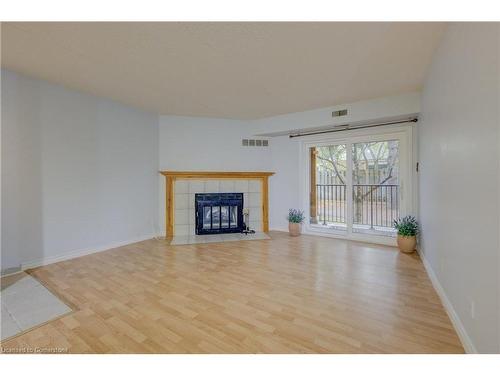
x=284, y=295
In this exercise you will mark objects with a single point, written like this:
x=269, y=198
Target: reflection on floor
x=25, y=303
x=211, y=238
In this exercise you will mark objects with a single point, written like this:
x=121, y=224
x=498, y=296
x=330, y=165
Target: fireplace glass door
x=219, y=213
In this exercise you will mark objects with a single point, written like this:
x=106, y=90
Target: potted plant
x=295, y=219
x=407, y=228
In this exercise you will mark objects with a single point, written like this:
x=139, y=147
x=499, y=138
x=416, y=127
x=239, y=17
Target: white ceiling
x=226, y=70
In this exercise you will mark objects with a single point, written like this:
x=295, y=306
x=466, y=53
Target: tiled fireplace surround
x=181, y=201
x=184, y=210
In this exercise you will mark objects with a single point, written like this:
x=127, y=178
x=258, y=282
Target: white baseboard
x=81, y=252
x=11, y=271
x=455, y=319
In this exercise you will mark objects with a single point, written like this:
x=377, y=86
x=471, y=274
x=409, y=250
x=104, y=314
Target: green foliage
x=407, y=226
x=295, y=216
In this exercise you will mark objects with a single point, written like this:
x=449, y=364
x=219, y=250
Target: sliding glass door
x=355, y=184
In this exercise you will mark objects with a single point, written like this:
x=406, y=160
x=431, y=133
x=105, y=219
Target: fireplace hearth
x=219, y=213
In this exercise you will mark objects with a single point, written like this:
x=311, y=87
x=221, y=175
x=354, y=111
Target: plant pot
x=294, y=229
x=407, y=243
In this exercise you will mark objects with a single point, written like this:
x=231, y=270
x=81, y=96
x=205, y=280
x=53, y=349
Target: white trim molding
x=452, y=314
x=81, y=252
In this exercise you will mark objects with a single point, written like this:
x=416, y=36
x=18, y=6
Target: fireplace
x=182, y=186
x=219, y=213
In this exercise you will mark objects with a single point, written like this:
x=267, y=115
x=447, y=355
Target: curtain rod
x=347, y=127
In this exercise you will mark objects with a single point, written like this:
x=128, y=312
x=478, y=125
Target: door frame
x=408, y=178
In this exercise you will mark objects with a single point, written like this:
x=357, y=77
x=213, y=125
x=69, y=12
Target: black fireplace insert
x=219, y=213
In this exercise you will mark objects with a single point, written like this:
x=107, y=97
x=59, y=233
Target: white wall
x=390, y=107
x=284, y=187
x=208, y=144
x=459, y=178
x=78, y=172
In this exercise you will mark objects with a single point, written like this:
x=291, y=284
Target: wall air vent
x=342, y=112
x=255, y=142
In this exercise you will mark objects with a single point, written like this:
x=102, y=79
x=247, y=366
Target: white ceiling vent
x=255, y=142
x=342, y=112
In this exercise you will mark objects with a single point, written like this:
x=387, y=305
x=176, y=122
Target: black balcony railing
x=374, y=205
x=331, y=204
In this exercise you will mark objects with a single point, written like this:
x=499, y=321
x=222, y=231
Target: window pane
x=375, y=179
x=328, y=186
